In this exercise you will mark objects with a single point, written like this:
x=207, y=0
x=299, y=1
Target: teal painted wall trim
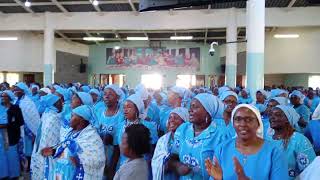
x=231, y=76
x=48, y=72
x=255, y=72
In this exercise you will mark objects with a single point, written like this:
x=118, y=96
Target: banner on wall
x=153, y=58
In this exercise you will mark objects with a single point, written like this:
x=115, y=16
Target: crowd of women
x=80, y=132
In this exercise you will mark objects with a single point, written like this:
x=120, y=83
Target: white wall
x=26, y=54
x=301, y=55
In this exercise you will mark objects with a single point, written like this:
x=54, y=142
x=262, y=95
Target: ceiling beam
x=291, y=3
x=88, y=34
x=165, y=39
x=132, y=6
x=23, y=6
x=72, y=3
x=117, y=36
x=205, y=37
x=97, y=8
x=64, y=36
x=60, y=6
x=148, y=31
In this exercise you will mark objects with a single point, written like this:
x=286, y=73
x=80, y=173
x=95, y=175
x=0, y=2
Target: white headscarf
x=137, y=100
x=182, y=113
x=46, y=90
x=256, y=112
x=178, y=90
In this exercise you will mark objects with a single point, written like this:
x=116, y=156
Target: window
x=314, y=81
x=1, y=78
x=152, y=81
x=12, y=78
x=186, y=81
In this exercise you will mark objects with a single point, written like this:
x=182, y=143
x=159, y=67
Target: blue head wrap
x=64, y=93
x=48, y=101
x=278, y=92
x=164, y=98
x=142, y=91
x=85, y=112
x=10, y=94
x=211, y=104
x=178, y=90
x=298, y=94
x=85, y=98
x=95, y=91
x=225, y=94
x=35, y=86
x=117, y=90
x=281, y=100
x=137, y=100
x=57, y=87
x=264, y=93
x=24, y=88
x=291, y=114
x=183, y=113
x=222, y=89
x=85, y=89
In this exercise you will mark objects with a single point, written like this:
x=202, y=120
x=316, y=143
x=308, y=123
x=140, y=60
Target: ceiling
x=40, y=6
x=67, y=6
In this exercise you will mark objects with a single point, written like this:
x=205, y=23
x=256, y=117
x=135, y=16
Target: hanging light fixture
x=27, y=3
x=95, y=2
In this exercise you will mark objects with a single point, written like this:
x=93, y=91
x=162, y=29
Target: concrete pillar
x=231, y=50
x=255, y=45
x=49, y=56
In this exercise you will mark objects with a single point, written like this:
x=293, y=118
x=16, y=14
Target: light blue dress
x=269, y=163
x=312, y=132
x=164, y=116
x=230, y=131
x=244, y=100
x=299, y=153
x=304, y=112
x=193, y=151
x=4, y=144
x=109, y=125
x=153, y=139
x=314, y=103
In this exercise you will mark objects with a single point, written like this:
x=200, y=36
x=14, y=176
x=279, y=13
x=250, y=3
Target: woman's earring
x=206, y=119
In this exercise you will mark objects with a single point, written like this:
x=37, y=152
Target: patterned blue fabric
x=269, y=163
x=193, y=150
x=299, y=153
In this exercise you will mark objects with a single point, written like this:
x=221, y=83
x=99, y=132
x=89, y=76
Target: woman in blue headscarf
x=261, y=100
x=244, y=97
x=165, y=145
x=31, y=118
x=248, y=156
x=230, y=100
x=197, y=140
x=81, y=154
x=108, y=119
x=175, y=97
x=47, y=135
x=273, y=102
x=133, y=110
x=98, y=104
x=296, y=99
x=78, y=99
x=10, y=122
x=298, y=149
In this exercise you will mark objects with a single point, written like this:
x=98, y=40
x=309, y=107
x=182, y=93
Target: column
x=231, y=50
x=49, y=56
x=255, y=45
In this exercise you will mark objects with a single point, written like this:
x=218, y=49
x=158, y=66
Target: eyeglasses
x=245, y=119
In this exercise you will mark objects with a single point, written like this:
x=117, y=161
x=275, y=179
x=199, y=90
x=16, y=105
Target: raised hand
x=214, y=170
x=239, y=170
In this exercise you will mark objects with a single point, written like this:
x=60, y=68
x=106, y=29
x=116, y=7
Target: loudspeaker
x=83, y=67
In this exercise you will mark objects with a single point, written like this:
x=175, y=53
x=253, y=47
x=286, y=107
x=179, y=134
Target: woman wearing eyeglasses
x=248, y=156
